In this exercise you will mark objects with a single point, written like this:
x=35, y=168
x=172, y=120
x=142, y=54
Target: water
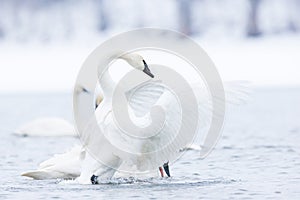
x=258, y=156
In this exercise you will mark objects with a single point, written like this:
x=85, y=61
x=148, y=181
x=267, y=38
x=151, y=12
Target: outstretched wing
x=164, y=144
x=144, y=96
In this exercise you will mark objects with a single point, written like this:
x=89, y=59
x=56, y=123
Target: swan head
x=137, y=62
x=98, y=100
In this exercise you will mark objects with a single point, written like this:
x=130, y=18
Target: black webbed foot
x=94, y=179
x=166, y=168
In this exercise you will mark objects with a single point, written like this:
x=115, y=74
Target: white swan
x=53, y=126
x=79, y=162
x=49, y=126
x=144, y=97
x=44, y=170
x=108, y=141
x=64, y=166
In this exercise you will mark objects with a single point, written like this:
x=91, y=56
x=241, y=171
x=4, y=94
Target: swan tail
x=43, y=175
x=38, y=175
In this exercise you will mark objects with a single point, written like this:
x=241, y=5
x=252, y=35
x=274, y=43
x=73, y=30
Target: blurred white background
x=44, y=42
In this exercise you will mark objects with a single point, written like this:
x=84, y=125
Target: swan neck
x=106, y=84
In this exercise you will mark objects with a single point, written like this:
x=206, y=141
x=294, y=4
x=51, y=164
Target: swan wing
x=143, y=97
x=151, y=152
x=66, y=165
x=105, y=137
x=169, y=142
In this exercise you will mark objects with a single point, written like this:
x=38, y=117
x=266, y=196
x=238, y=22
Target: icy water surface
x=258, y=156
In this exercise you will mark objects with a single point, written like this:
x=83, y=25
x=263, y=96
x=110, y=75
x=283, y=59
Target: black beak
x=85, y=90
x=147, y=70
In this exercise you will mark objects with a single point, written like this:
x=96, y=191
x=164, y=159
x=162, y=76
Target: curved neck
x=107, y=84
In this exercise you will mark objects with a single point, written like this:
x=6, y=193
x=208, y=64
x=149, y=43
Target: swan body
x=65, y=166
x=46, y=127
x=53, y=126
x=82, y=165
x=141, y=99
x=111, y=147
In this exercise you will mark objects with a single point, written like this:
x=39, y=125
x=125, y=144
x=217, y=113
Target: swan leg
x=161, y=171
x=94, y=179
x=166, y=168
x=106, y=172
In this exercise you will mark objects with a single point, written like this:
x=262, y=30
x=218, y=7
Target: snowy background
x=43, y=43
